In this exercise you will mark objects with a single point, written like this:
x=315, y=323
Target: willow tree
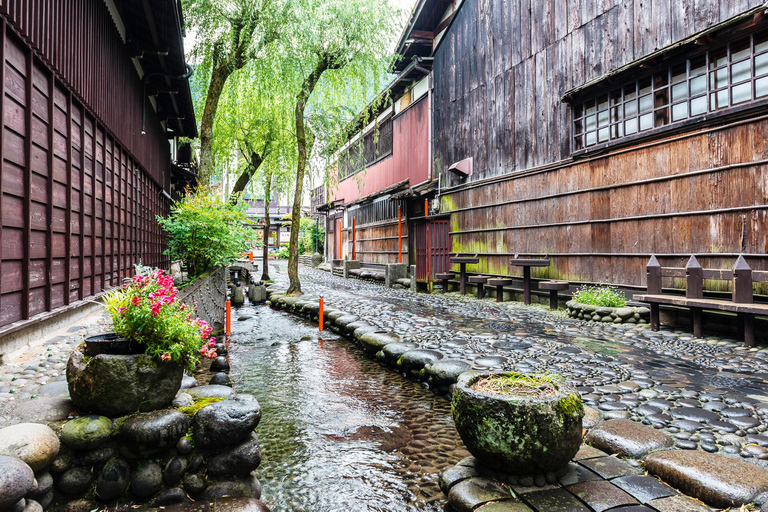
x=229, y=34
x=341, y=54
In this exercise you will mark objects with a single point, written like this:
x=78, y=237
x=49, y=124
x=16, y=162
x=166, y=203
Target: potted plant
x=164, y=337
x=520, y=424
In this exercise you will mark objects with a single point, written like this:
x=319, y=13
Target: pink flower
x=211, y=343
x=121, y=310
x=166, y=357
x=136, y=301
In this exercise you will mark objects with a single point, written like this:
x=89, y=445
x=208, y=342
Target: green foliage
x=146, y=310
x=603, y=296
x=206, y=232
x=309, y=234
x=283, y=253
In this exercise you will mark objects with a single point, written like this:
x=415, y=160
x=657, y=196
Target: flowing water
x=339, y=432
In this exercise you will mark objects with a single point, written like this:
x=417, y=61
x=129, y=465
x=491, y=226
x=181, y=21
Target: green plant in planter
x=146, y=311
x=603, y=296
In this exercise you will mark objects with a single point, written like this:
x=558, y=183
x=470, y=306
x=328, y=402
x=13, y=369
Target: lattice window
x=729, y=76
x=374, y=146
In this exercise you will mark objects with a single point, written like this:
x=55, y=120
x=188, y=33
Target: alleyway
x=709, y=394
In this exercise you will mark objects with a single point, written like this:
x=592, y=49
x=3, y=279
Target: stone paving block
x=521, y=490
x=504, y=506
x=627, y=438
x=678, y=504
x=610, y=467
x=42, y=410
x=601, y=495
x=467, y=495
x=576, y=474
x=588, y=452
x=557, y=500
x=644, y=488
x=714, y=479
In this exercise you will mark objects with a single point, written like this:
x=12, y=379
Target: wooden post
x=742, y=282
x=354, y=250
x=229, y=318
x=653, y=280
x=341, y=256
x=694, y=279
x=399, y=236
x=320, y=315
x=527, y=285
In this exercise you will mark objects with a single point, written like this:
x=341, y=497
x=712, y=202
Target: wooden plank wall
x=78, y=40
x=377, y=243
x=503, y=66
x=601, y=219
x=76, y=208
x=499, y=75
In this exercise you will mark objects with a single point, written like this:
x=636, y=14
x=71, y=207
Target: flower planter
x=116, y=385
x=625, y=315
x=520, y=435
x=110, y=343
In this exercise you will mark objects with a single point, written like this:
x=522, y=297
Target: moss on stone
x=199, y=403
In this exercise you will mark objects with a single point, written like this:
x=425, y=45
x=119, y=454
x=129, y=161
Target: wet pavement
x=709, y=394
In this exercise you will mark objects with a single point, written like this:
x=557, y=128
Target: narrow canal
x=338, y=432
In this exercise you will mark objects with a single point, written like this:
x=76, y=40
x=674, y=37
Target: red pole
x=426, y=207
x=320, y=315
x=341, y=256
x=399, y=236
x=229, y=318
x=354, y=253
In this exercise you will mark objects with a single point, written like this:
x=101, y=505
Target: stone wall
x=210, y=293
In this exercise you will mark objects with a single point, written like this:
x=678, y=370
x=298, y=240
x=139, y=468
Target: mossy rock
x=116, y=385
x=519, y=435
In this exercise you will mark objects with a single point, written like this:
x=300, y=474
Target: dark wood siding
x=497, y=100
x=77, y=206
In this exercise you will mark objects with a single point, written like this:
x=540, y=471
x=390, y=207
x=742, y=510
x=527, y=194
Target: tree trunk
x=267, y=198
x=215, y=87
x=305, y=148
x=245, y=177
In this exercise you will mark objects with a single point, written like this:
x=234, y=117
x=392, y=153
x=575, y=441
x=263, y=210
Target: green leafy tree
x=206, y=232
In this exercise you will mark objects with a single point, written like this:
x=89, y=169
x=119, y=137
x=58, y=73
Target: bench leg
x=697, y=321
x=499, y=294
x=463, y=284
x=749, y=330
x=480, y=291
x=445, y=285
x=553, y=299
x=655, y=324
x=527, y=285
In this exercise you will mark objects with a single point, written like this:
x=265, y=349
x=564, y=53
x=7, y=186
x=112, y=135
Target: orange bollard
x=426, y=208
x=250, y=256
x=354, y=253
x=320, y=315
x=229, y=318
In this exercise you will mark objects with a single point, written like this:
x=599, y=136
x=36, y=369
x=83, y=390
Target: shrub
x=309, y=233
x=145, y=310
x=206, y=231
x=602, y=296
x=283, y=253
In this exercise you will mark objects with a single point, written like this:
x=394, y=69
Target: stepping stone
x=602, y=495
x=694, y=414
x=467, y=495
x=557, y=500
x=211, y=391
x=576, y=474
x=504, y=506
x=610, y=467
x=43, y=410
x=644, y=488
x=588, y=452
x=456, y=474
x=592, y=417
x=678, y=504
x=714, y=479
x=627, y=439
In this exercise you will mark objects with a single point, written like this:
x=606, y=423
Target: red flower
x=136, y=301
x=166, y=357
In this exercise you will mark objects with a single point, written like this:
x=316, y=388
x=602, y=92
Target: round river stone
x=226, y=422
x=35, y=444
x=86, y=432
x=446, y=371
x=113, y=480
x=419, y=358
x=145, y=434
x=240, y=459
x=16, y=479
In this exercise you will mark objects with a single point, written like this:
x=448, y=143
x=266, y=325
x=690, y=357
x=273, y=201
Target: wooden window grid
x=732, y=75
x=379, y=211
x=371, y=148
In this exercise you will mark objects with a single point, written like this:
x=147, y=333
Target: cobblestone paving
x=709, y=394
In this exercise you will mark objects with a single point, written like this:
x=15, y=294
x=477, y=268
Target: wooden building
x=94, y=97
x=386, y=154
x=598, y=132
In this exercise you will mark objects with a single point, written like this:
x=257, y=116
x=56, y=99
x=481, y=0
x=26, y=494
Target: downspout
x=144, y=81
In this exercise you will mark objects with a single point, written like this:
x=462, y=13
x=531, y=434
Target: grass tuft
x=603, y=296
x=535, y=384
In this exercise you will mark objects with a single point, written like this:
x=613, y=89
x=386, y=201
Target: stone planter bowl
x=518, y=435
x=116, y=385
x=625, y=315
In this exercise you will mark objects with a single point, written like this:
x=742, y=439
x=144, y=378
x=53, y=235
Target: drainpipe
x=144, y=81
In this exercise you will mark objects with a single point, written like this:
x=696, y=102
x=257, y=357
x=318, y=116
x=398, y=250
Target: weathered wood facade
x=501, y=69
x=80, y=185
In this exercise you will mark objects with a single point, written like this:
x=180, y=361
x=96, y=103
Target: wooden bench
x=500, y=283
x=741, y=303
x=444, y=278
x=553, y=287
x=480, y=282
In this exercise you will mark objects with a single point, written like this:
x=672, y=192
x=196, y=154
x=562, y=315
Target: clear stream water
x=339, y=432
